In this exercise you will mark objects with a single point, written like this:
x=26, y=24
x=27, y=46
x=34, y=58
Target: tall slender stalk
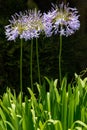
x=21, y=68
x=31, y=77
x=38, y=66
x=60, y=52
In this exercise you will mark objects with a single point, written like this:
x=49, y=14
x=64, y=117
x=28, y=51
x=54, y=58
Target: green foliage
x=53, y=108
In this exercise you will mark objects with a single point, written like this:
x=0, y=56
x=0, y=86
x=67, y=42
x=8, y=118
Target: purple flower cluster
x=61, y=20
x=25, y=25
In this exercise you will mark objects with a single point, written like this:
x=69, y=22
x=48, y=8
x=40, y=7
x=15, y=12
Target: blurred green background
x=74, y=53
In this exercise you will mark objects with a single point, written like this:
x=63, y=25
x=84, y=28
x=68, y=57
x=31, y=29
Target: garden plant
x=57, y=104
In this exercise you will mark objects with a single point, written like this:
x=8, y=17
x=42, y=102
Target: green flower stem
x=60, y=52
x=21, y=68
x=37, y=55
x=31, y=77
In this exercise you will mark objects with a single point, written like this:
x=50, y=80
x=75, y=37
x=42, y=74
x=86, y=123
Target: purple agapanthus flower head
x=66, y=20
x=61, y=20
x=34, y=24
x=16, y=27
x=25, y=25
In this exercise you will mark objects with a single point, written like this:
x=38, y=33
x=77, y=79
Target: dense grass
x=53, y=108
